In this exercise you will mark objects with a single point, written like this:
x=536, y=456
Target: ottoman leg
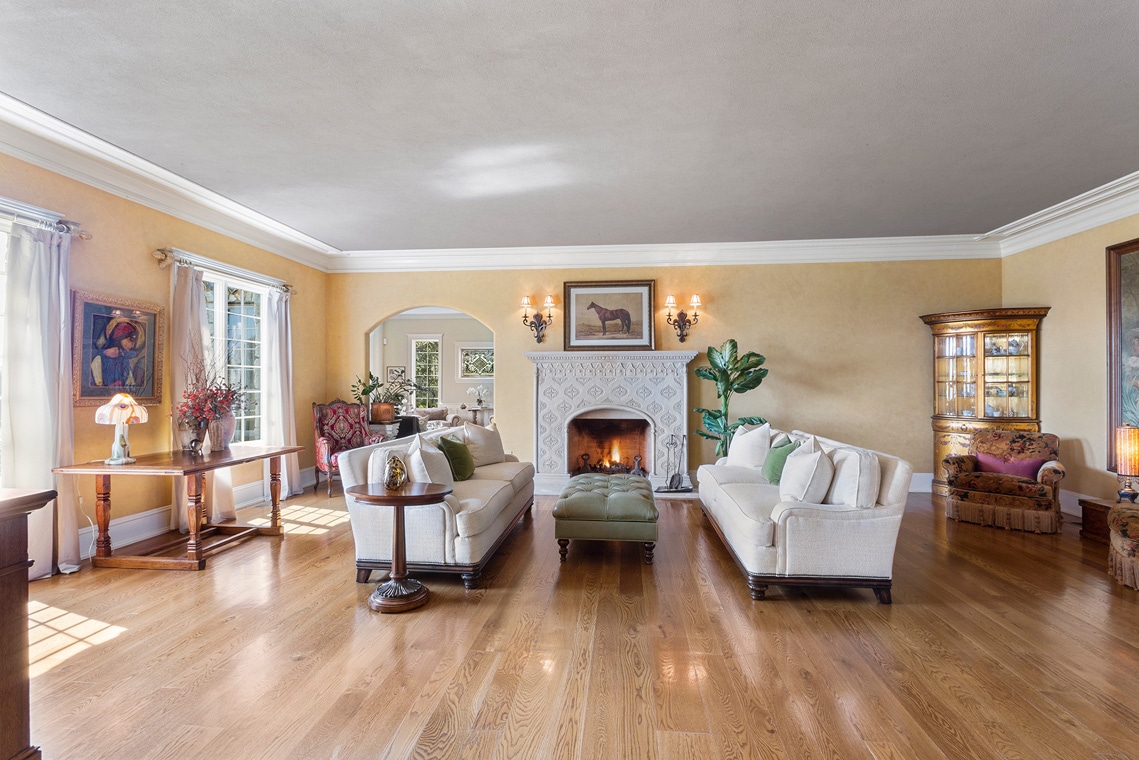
x=563, y=543
x=648, y=547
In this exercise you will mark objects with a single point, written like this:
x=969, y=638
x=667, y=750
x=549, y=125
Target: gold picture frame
x=117, y=346
x=609, y=315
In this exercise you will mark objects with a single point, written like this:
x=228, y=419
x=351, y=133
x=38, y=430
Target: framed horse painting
x=613, y=315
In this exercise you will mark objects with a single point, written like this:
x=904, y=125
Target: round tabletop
x=409, y=494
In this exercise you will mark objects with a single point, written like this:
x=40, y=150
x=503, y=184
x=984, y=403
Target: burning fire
x=614, y=456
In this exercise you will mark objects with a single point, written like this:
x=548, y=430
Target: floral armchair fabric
x=1123, y=556
x=338, y=426
x=1009, y=479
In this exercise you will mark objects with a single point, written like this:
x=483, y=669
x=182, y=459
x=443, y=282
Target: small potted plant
x=367, y=391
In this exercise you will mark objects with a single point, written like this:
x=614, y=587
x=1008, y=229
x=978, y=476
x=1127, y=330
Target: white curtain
x=189, y=334
x=36, y=408
x=277, y=371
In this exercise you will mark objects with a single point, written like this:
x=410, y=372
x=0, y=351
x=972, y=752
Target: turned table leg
x=103, y=515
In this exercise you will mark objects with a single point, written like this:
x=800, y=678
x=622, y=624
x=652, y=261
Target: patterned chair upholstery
x=1009, y=479
x=1122, y=562
x=338, y=426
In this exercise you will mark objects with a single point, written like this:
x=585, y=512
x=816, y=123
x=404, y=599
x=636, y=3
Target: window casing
x=425, y=369
x=5, y=229
x=238, y=307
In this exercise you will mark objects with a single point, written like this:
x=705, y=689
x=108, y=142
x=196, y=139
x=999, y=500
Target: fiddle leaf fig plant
x=732, y=374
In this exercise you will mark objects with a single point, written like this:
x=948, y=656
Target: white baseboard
x=921, y=482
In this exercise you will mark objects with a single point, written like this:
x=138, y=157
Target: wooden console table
x=15, y=731
x=194, y=469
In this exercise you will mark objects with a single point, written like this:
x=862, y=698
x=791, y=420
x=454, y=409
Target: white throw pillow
x=857, y=477
x=427, y=464
x=485, y=444
x=807, y=475
x=749, y=446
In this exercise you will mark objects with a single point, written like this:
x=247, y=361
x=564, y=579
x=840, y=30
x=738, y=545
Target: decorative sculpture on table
x=395, y=473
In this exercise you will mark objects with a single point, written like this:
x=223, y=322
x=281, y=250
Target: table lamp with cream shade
x=121, y=411
x=1127, y=459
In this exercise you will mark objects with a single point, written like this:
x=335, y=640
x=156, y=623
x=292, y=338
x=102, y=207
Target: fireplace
x=645, y=388
x=608, y=441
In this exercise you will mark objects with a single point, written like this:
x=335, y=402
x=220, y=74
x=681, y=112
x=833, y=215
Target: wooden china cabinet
x=985, y=377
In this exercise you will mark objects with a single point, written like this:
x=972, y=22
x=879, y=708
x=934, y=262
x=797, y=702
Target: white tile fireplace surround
x=650, y=385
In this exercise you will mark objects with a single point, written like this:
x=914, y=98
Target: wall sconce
x=1127, y=460
x=121, y=411
x=682, y=322
x=540, y=321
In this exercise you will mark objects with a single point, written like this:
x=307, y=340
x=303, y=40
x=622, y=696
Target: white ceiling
x=437, y=124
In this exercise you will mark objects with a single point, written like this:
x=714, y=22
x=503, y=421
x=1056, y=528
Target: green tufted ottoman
x=1122, y=562
x=606, y=508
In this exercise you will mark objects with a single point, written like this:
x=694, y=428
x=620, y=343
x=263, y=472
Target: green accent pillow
x=459, y=457
x=773, y=465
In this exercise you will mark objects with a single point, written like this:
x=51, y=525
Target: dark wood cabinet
x=15, y=729
x=1095, y=520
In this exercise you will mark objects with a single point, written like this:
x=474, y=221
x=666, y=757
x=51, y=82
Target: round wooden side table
x=399, y=593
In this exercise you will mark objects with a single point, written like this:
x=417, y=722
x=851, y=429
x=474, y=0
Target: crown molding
x=1107, y=203
x=45, y=141
x=664, y=255
x=37, y=138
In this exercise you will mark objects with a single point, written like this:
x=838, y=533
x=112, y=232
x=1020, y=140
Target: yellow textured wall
x=117, y=261
x=847, y=354
x=1070, y=275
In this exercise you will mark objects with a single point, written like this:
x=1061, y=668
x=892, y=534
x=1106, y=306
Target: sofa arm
x=1051, y=473
x=454, y=420
x=959, y=465
x=836, y=540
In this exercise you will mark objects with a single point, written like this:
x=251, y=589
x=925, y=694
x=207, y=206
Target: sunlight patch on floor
x=303, y=519
x=54, y=635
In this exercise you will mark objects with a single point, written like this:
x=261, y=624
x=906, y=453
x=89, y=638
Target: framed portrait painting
x=116, y=348
x=1122, y=341
x=613, y=315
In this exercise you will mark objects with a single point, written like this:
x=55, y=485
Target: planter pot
x=382, y=413
x=221, y=432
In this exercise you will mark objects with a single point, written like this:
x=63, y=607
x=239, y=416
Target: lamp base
x=1127, y=494
x=120, y=460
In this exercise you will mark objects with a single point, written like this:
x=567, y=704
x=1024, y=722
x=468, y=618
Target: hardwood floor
x=998, y=645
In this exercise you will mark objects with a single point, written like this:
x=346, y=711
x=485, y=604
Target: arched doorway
x=447, y=353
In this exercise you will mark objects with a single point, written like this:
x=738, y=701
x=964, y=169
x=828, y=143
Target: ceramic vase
x=221, y=432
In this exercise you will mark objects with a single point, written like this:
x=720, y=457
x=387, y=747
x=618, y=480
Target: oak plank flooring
x=999, y=644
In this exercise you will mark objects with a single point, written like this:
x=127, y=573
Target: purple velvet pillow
x=1022, y=468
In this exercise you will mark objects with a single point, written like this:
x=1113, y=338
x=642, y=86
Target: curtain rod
x=169, y=256
x=34, y=216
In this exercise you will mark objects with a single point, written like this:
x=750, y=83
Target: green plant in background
x=364, y=391
x=732, y=374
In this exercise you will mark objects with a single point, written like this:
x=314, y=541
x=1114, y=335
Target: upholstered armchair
x=338, y=426
x=1009, y=479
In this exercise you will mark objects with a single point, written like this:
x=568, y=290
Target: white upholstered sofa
x=832, y=519
x=459, y=534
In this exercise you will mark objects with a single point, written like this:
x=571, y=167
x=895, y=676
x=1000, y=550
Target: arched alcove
x=465, y=354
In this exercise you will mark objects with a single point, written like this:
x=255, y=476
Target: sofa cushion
x=485, y=444
x=807, y=474
x=480, y=502
x=777, y=460
x=857, y=476
x=459, y=457
x=749, y=446
x=518, y=474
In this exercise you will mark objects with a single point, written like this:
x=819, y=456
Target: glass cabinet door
x=956, y=375
x=1008, y=364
